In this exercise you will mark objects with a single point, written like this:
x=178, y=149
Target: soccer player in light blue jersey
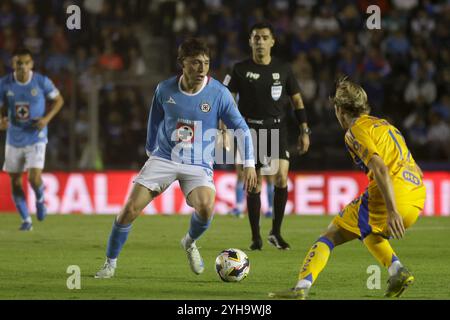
x=182, y=129
x=23, y=95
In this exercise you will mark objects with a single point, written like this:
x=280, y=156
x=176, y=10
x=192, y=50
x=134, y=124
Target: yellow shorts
x=365, y=215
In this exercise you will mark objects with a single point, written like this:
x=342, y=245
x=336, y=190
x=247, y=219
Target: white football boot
x=106, y=272
x=193, y=255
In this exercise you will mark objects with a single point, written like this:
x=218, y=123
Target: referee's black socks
x=254, y=209
x=279, y=205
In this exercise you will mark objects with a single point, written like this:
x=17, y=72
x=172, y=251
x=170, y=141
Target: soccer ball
x=232, y=265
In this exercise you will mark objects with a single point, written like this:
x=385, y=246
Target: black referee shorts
x=270, y=142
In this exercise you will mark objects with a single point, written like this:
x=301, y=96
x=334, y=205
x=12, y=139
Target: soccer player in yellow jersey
x=391, y=203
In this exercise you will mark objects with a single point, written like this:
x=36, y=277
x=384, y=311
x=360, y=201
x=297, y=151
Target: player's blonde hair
x=351, y=98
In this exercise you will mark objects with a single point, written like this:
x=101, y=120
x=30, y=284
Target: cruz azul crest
x=205, y=107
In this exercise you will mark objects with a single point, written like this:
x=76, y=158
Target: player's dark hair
x=263, y=25
x=22, y=52
x=192, y=47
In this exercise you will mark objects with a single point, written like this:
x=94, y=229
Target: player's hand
x=396, y=228
x=40, y=123
x=303, y=143
x=4, y=123
x=250, y=179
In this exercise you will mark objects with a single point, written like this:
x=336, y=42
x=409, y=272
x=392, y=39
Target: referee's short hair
x=192, y=47
x=263, y=25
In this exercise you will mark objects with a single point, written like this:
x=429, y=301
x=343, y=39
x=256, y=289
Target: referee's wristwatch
x=305, y=131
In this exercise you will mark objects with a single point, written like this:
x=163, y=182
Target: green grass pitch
x=152, y=264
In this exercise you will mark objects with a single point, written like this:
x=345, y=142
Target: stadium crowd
x=404, y=66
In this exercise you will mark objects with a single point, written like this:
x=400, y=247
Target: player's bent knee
x=205, y=209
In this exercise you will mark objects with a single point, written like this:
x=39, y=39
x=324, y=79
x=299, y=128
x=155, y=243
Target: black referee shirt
x=264, y=90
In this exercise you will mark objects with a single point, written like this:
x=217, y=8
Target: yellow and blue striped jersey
x=371, y=135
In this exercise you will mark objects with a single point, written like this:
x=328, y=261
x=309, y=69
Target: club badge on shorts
x=276, y=92
x=205, y=107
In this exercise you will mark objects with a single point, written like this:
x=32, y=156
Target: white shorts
x=157, y=175
x=20, y=159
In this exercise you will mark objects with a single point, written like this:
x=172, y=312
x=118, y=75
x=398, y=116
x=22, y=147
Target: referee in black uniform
x=264, y=85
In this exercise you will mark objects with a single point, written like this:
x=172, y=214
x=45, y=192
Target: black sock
x=279, y=204
x=254, y=212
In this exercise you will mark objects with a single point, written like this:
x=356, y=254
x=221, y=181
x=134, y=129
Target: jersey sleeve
x=50, y=91
x=360, y=144
x=292, y=86
x=230, y=115
x=232, y=81
x=155, y=118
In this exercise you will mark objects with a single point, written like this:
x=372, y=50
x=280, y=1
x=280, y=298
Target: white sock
x=112, y=262
x=189, y=240
x=303, y=284
x=28, y=219
x=393, y=268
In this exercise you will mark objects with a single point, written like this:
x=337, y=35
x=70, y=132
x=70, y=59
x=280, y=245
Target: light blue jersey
x=182, y=127
x=25, y=102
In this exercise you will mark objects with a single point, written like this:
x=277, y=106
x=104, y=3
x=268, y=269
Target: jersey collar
x=205, y=82
x=23, y=83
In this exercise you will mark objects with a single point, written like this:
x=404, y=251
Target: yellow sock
x=316, y=259
x=381, y=249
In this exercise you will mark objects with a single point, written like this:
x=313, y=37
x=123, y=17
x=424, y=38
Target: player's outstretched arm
x=384, y=183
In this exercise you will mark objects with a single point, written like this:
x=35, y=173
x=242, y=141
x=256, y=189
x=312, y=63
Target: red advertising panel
x=315, y=193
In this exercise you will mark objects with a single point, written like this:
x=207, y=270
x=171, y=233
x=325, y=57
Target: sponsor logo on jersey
x=205, y=107
x=22, y=111
x=276, y=92
x=276, y=76
x=185, y=132
x=408, y=176
x=253, y=76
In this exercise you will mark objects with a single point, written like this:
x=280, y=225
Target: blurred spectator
x=397, y=45
x=348, y=64
x=137, y=64
x=7, y=15
x=421, y=86
x=438, y=138
x=31, y=18
x=109, y=60
x=405, y=5
x=184, y=21
x=422, y=23
x=57, y=62
x=350, y=18
x=442, y=108
x=33, y=41
x=416, y=130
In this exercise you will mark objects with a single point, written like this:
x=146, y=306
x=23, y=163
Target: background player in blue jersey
x=181, y=134
x=23, y=95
